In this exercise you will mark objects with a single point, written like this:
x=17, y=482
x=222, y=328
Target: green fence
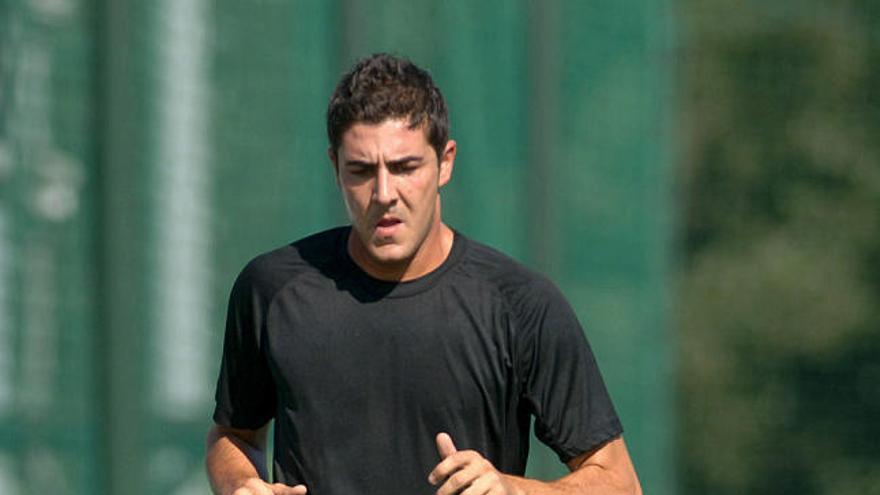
x=149, y=149
x=50, y=436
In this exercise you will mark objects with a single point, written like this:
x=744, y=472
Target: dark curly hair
x=385, y=86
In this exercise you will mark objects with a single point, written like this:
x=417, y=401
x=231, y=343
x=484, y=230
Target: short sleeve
x=245, y=396
x=561, y=381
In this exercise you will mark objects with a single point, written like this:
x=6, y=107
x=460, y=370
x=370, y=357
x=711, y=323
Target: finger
x=282, y=489
x=480, y=486
x=452, y=464
x=489, y=482
x=462, y=479
x=445, y=446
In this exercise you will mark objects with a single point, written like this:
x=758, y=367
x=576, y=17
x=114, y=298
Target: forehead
x=390, y=137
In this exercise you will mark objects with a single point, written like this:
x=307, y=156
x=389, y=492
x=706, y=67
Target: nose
x=384, y=191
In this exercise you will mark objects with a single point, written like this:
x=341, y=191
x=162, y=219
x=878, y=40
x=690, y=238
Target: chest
x=446, y=347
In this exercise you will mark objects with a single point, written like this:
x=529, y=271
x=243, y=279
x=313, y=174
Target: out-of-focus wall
x=149, y=149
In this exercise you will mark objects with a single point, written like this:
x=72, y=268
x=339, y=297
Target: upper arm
x=244, y=395
x=562, y=383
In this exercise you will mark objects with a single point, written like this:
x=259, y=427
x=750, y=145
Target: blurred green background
x=701, y=178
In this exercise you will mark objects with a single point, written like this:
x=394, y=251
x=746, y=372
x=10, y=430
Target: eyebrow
x=391, y=163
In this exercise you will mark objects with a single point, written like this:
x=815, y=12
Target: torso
x=365, y=373
x=385, y=367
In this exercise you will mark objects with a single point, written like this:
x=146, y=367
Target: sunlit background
x=700, y=177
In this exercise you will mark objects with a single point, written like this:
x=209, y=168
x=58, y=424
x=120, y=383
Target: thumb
x=445, y=446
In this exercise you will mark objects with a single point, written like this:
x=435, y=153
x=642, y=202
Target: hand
x=256, y=486
x=466, y=472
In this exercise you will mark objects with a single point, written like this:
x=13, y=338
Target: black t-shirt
x=360, y=374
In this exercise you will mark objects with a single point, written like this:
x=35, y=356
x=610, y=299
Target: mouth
x=386, y=226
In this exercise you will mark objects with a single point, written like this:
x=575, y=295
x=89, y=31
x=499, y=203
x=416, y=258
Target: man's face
x=390, y=178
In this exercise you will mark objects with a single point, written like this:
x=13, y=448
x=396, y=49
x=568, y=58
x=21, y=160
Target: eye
x=359, y=170
x=404, y=168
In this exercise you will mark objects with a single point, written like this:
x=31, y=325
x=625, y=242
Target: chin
x=390, y=254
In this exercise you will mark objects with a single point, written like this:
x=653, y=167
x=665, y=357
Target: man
x=395, y=355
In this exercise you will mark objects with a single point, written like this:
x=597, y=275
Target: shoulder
x=266, y=273
x=541, y=318
x=519, y=285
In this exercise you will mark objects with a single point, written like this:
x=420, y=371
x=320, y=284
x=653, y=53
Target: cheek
x=353, y=206
x=355, y=196
x=421, y=191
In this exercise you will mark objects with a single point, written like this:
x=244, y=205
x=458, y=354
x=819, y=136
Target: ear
x=447, y=162
x=331, y=154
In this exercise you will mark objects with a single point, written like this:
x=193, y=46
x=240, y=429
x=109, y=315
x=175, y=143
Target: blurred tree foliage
x=779, y=314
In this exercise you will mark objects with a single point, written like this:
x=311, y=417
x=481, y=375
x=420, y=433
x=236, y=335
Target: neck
x=429, y=256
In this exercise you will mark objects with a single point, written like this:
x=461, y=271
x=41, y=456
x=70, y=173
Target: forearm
x=588, y=480
x=230, y=461
x=607, y=471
